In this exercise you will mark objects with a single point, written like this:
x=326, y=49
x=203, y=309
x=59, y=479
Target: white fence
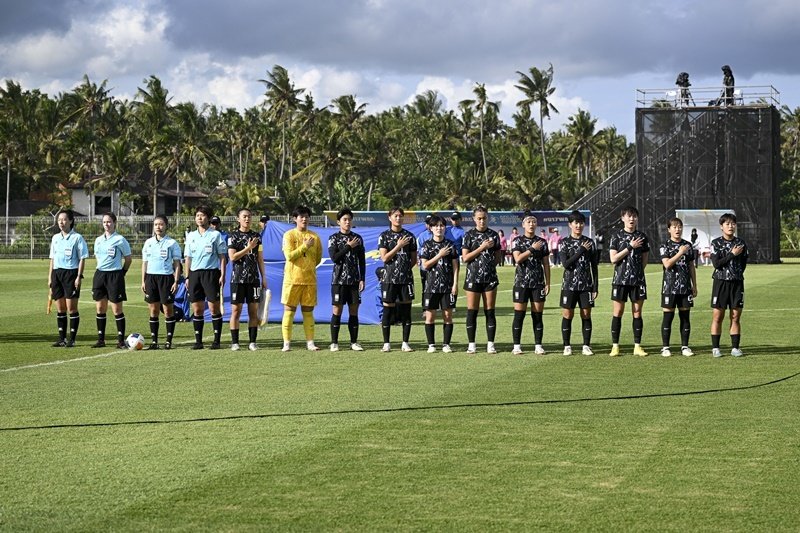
x=29, y=237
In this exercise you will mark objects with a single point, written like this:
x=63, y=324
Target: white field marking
x=98, y=356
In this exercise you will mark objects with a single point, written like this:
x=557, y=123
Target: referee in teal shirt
x=205, y=253
x=68, y=253
x=113, y=254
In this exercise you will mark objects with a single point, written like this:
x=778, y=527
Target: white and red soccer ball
x=135, y=341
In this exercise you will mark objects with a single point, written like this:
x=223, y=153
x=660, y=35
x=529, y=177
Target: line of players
x=206, y=253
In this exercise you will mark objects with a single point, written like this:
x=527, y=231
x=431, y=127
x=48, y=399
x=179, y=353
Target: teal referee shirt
x=66, y=251
x=111, y=251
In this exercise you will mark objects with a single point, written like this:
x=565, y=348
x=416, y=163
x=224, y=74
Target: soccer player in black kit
x=398, y=249
x=531, y=282
x=729, y=257
x=679, y=287
x=579, y=257
x=346, y=250
x=629, y=249
x=481, y=253
x=248, y=279
x=439, y=257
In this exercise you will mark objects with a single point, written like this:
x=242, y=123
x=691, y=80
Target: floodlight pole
x=8, y=192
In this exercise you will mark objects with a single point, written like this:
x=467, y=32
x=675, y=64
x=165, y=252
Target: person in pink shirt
x=552, y=243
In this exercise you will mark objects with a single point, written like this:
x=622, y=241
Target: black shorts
x=109, y=285
x=727, y=294
x=63, y=284
x=623, y=293
x=481, y=287
x=246, y=292
x=345, y=294
x=204, y=285
x=681, y=301
x=523, y=295
x=583, y=299
x=157, y=288
x=392, y=293
x=433, y=301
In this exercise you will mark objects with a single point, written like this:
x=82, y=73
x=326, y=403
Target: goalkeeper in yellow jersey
x=303, y=251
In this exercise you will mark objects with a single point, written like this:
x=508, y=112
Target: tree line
x=289, y=149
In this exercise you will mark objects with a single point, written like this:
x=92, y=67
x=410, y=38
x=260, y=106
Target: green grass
x=370, y=441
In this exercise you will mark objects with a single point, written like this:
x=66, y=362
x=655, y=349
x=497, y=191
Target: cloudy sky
x=386, y=51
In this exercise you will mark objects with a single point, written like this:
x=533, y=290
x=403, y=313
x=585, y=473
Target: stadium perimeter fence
x=29, y=237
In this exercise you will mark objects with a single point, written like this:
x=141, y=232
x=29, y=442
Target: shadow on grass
x=398, y=409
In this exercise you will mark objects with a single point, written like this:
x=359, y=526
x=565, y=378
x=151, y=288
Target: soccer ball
x=135, y=341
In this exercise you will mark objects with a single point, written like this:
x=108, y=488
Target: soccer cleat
x=567, y=350
x=386, y=347
x=471, y=347
x=334, y=347
x=736, y=352
x=235, y=347
x=59, y=344
x=167, y=345
x=406, y=348
x=539, y=350
x=214, y=346
x=715, y=352
x=614, y=350
x=431, y=348
x=252, y=347
x=99, y=344
x=311, y=347
x=686, y=351
x=490, y=348
x=286, y=346
x=121, y=345
x=70, y=343
x=587, y=350
x=517, y=350
x=447, y=349
x=665, y=352
x=638, y=350
x=356, y=347
x=153, y=346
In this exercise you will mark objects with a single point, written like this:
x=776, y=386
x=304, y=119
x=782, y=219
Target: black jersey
x=677, y=280
x=482, y=269
x=728, y=267
x=399, y=269
x=580, y=264
x=630, y=270
x=439, y=279
x=349, y=264
x=245, y=269
x=530, y=272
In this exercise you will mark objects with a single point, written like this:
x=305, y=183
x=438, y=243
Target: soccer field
x=221, y=440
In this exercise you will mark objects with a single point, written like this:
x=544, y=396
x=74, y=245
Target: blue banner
x=371, y=308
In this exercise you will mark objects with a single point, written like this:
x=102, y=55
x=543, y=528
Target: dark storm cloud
x=475, y=38
x=20, y=18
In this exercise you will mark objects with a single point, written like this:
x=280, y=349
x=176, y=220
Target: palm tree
x=427, y=104
x=537, y=88
x=152, y=123
x=613, y=148
x=283, y=100
x=583, y=143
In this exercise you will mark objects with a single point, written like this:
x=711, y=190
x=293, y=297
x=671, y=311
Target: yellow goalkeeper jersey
x=301, y=261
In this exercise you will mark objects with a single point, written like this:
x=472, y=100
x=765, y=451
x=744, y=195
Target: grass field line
x=98, y=356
